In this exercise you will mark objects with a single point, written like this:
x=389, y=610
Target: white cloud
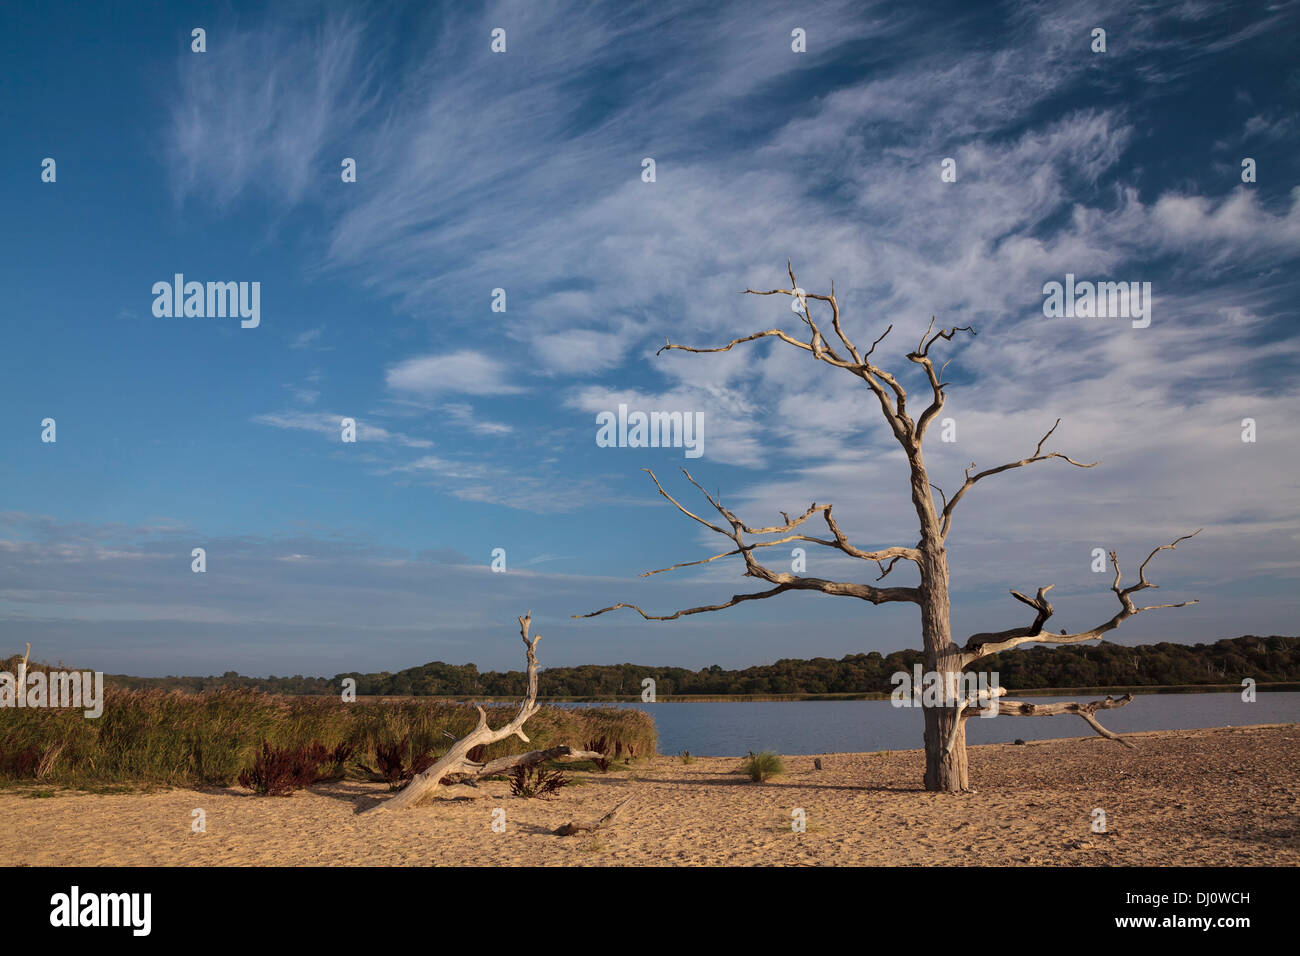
x=601, y=267
x=261, y=107
x=466, y=372
x=330, y=425
x=463, y=415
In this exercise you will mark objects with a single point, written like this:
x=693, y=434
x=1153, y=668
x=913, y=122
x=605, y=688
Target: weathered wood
x=456, y=760
x=502, y=764
x=578, y=826
x=1023, y=708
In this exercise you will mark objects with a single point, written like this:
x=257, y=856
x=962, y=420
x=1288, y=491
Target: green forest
x=1265, y=659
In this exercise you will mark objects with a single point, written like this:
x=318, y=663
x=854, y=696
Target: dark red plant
x=601, y=746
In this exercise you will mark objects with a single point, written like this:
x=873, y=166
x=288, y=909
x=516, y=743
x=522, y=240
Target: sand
x=1228, y=796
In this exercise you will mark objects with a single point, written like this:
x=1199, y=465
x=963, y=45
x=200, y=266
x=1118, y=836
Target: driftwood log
x=455, y=766
x=578, y=826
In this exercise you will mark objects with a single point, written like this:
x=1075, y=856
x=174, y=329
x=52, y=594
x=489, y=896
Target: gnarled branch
x=922, y=357
x=1039, y=603
x=1022, y=708
x=456, y=760
x=783, y=581
x=982, y=645
x=888, y=391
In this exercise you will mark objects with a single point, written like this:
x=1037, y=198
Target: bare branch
x=1142, y=571
x=983, y=696
x=1021, y=708
x=895, y=554
x=783, y=581
x=575, y=826
x=456, y=760
x=736, y=599
x=941, y=494
x=777, y=333
x=681, y=507
x=884, y=571
x=922, y=357
x=972, y=479
x=841, y=542
x=888, y=391
x=878, y=341
x=981, y=645
x=502, y=764
x=1039, y=603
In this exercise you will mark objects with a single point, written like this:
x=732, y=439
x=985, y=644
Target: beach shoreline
x=1223, y=796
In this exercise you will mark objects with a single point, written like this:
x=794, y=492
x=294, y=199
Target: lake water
x=855, y=726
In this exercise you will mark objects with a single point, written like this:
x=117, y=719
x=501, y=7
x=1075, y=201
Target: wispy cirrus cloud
x=462, y=414
x=260, y=108
x=330, y=425
x=522, y=171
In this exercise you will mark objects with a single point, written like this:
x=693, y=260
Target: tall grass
x=153, y=737
x=761, y=767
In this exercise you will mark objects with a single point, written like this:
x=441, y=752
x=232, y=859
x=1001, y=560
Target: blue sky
x=522, y=170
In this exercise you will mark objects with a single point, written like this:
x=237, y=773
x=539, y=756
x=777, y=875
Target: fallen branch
x=456, y=760
x=502, y=764
x=575, y=826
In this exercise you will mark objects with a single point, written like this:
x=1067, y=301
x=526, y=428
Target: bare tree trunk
x=945, y=770
x=945, y=744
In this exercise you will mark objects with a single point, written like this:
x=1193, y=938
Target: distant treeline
x=1266, y=659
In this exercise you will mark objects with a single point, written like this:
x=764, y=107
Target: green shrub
x=762, y=766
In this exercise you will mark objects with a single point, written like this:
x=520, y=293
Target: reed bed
x=159, y=738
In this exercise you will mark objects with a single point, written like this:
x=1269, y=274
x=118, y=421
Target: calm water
x=816, y=727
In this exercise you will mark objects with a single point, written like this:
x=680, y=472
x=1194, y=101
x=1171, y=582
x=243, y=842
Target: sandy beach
x=1224, y=797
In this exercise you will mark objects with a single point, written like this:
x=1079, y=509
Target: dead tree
x=455, y=764
x=945, y=735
